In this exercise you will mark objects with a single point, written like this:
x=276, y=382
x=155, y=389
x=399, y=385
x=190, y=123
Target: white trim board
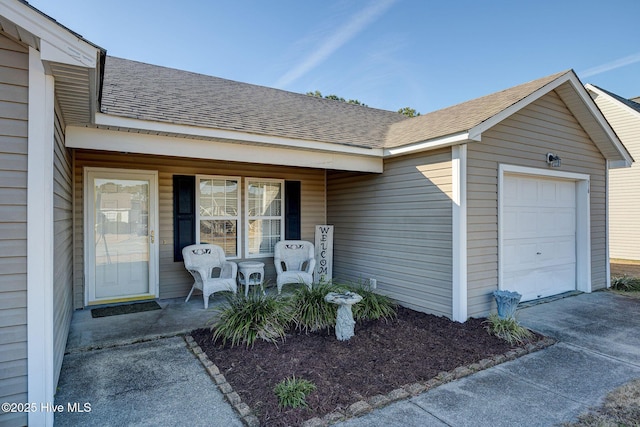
x=459, y=232
x=583, y=218
x=432, y=144
x=131, y=142
x=61, y=45
x=40, y=315
x=196, y=131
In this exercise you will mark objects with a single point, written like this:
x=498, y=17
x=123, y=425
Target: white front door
x=539, y=236
x=121, y=249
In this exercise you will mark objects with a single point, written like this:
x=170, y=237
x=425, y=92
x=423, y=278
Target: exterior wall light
x=553, y=160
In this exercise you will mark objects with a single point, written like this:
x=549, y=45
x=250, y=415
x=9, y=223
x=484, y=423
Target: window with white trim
x=218, y=212
x=264, y=215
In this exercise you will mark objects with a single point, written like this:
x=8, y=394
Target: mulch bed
x=381, y=357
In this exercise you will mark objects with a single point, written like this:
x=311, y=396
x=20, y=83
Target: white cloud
x=609, y=66
x=342, y=35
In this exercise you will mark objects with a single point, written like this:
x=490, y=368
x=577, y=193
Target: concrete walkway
x=598, y=350
x=136, y=370
x=160, y=382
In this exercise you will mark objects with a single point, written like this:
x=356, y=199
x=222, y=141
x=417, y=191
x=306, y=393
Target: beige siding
x=523, y=139
x=174, y=280
x=396, y=228
x=14, y=81
x=624, y=197
x=63, y=244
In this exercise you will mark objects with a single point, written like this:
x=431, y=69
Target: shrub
x=245, y=319
x=292, y=392
x=310, y=311
x=373, y=305
x=626, y=283
x=508, y=329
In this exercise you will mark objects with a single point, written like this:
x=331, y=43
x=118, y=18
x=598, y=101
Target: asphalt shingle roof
x=149, y=92
x=461, y=117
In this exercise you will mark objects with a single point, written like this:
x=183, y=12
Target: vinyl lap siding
x=396, y=227
x=523, y=139
x=624, y=199
x=14, y=81
x=174, y=280
x=63, y=244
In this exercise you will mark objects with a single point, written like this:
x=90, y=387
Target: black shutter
x=184, y=213
x=292, y=210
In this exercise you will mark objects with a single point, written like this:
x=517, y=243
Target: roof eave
x=570, y=77
x=74, y=62
x=430, y=144
x=160, y=128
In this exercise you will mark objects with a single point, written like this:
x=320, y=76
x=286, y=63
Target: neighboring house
x=109, y=167
x=624, y=184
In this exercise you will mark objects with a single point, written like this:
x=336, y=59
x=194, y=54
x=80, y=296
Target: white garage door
x=539, y=236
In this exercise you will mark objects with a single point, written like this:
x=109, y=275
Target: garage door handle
x=538, y=253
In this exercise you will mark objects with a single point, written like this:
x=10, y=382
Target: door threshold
x=114, y=301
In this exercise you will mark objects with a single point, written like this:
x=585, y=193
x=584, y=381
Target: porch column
x=40, y=241
x=459, y=232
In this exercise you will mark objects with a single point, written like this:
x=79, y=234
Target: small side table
x=251, y=273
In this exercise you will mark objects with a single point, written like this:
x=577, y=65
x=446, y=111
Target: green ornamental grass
x=311, y=312
x=373, y=305
x=626, y=283
x=245, y=319
x=292, y=392
x=508, y=329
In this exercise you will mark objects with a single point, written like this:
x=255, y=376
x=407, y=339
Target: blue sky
x=388, y=54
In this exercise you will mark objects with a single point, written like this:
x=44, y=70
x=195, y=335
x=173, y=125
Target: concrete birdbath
x=344, y=320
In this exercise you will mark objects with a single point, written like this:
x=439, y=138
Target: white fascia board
x=66, y=55
x=445, y=141
x=142, y=143
x=244, y=137
x=56, y=43
x=476, y=132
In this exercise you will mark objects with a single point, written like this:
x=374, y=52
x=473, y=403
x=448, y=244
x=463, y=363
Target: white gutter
x=446, y=141
x=148, y=126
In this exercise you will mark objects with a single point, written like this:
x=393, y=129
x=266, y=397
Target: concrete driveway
x=598, y=350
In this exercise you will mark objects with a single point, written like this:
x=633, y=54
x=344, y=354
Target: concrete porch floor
x=175, y=318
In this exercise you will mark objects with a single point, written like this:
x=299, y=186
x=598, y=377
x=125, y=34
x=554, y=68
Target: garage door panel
x=520, y=223
x=519, y=255
x=539, y=235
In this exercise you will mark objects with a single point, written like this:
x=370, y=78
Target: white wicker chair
x=200, y=260
x=294, y=261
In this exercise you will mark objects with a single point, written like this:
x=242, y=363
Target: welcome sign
x=324, y=253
